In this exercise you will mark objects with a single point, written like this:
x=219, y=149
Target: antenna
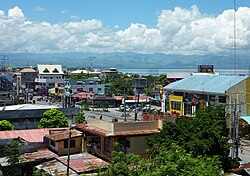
x=235, y=37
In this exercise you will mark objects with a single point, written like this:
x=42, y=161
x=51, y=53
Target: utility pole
x=235, y=131
x=124, y=98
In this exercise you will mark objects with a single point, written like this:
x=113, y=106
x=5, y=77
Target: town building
x=88, y=85
x=28, y=116
x=101, y=136
x=184, y=97
x=42, y=149
x=28, y=76
x=48, y=76
x=57, y=141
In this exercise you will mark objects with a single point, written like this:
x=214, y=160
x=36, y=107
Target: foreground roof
x=61, y=135
x=79, y=163
x=213, y=84
x=30, y=135
x=41, y=154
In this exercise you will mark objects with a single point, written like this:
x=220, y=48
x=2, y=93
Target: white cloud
x=16, y=12
x=181, y=31
x=64, y=11
x=39, y=9
x=74, y=17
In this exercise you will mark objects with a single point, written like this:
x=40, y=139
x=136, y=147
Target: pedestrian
x=241, y=150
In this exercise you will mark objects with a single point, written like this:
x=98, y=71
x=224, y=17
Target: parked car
x=121, y=108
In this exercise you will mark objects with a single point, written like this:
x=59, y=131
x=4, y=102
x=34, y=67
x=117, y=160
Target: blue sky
x=112, y=12
x=145, y=26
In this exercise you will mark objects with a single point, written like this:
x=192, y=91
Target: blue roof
x=210, y=84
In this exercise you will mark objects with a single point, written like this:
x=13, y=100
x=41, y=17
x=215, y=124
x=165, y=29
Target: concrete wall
x=133, y=126
x=138, y=145
x=101, y=124
x=63, y=151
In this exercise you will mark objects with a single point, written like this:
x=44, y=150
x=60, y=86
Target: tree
x=121, y=85
x=175, y=162
x=205, y=134
x=6, y=125
x=161, y=80
x=12, y=152
x=80, y=118
x=53, y=118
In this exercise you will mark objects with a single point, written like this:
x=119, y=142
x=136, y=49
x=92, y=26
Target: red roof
x=118, y=98
x=83, y=162
x=57, y=136
x=30, y=135
x=83, y=95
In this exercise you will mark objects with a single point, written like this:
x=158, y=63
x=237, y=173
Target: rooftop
x=28, y=70
x=131, y=128
x=60, y=135
x=39, y=155
x=214, y=84
x=27, y=107
x=79, y=163
x=50, y=69
x=30, y=135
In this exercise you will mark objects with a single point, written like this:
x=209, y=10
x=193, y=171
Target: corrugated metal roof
x=27, y=107
x=79, y=163
x=31, y=135
x=214, y=84
x=57, y=136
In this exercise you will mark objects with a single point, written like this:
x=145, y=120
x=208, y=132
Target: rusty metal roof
x=42, y=155
x=57, y=136
x=39, y=155
x=79, y=163
x=30, y=135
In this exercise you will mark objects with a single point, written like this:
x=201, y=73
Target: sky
x=145, y=26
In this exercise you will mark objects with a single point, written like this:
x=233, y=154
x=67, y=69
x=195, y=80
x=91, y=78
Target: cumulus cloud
x=178, y=31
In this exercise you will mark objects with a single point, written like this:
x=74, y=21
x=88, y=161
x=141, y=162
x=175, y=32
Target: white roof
x=26, y=107
x=50, y=69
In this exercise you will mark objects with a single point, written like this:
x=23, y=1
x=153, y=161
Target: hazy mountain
x=125, y=60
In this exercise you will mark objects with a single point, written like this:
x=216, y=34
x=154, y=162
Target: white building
x=48, y=76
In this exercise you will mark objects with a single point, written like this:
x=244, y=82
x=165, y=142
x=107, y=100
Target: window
x=72, y=143
x=45, y=70
x=55, y=71
x=52, y=143
x=99, y=89
x=91, y=89
x=50, y=77
x=176, y=105
x=107, y=144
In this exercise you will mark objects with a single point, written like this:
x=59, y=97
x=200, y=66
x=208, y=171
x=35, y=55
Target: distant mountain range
x=126, y=60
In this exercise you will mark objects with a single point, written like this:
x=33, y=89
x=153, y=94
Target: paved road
x=244, y=155
x=113, y=113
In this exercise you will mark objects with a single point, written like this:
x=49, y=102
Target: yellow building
x=101, y=136
x=58, y=141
